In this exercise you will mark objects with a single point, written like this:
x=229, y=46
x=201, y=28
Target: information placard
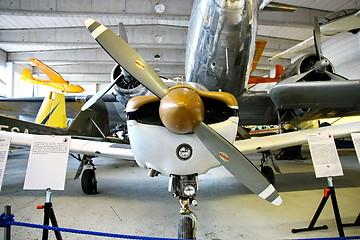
x=325, y=158
x=356, y=140
x=47, y=163
x=4, y=151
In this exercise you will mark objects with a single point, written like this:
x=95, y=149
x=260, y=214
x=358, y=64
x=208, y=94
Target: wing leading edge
x=247, y=146
x=86, y=147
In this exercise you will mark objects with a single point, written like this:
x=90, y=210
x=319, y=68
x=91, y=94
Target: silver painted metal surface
x=219, y=40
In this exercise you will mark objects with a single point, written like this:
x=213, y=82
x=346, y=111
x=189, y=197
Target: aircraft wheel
x=269, y=174
x=88, y=182
x=185, y=228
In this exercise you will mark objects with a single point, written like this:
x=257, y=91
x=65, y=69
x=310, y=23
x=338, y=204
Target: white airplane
x=334, y=23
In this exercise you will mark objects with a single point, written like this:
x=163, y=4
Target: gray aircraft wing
x=27, y=108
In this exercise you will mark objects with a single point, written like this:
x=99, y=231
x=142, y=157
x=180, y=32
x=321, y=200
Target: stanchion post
x=46, y=221
x=49, y=215
x=7, y=230
x=329, y=192
x=335, y=208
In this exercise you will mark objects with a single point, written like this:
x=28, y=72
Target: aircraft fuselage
x=221, y=41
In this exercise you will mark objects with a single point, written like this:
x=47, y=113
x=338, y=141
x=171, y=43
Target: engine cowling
x=310, y=83
x=127, y=86
x=304, y=64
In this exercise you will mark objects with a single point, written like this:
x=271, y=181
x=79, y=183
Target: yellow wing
x=51, y=73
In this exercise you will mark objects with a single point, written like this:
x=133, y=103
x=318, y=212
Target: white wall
x=3, y=57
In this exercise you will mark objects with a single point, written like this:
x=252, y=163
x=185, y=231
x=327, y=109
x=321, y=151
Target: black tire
x=269, y=174
x=88, y=182
x=185, y=228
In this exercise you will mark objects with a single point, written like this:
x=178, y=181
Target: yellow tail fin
x=26, y=75
x=53, y=111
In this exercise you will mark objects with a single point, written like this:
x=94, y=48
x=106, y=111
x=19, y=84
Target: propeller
x=317, y=37
x=182, y=111
x=98, y=95
x=118, y=49
x=322, y=63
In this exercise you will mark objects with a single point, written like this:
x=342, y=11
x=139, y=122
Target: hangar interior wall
x=343, y=50
x=3, y=58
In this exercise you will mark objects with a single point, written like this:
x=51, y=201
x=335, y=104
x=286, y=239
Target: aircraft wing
x=283, y=140
x=297, y=48
x=28, y=107
x=78, y=146
x=51, y=73
x=337, y=22
x=273, y=142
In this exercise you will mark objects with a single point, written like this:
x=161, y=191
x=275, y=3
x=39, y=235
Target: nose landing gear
x=185, y=188
x=188, y=222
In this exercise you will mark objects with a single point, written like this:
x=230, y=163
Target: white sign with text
x=4, y=151
x=47, y=163
x=324, y=154
x=356, y=140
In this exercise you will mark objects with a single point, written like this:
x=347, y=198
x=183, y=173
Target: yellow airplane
x=56, y=80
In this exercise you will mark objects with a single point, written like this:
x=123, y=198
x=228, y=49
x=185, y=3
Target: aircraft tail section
x=27, y=75
x=93, y=122
x=52, y=111
x=51, y=119
x=278, y=71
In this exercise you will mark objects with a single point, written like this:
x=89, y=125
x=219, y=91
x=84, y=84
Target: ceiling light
x=159, y=8
x=158, y=39
x=157, y=57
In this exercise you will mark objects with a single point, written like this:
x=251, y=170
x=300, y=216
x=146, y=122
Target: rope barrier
x=8, y=221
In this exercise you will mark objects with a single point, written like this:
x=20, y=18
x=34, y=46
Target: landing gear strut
x=188, y=222
x=185, y=188
x=266, y=170
x=88, y=178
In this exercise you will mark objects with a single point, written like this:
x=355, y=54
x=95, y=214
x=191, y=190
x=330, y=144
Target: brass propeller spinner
x=181, y=110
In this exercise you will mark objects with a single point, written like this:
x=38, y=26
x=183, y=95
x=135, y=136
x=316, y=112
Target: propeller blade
x=97, y=96
x=122, y=32
x=127, y=57
x=237, y=164
x=317, y=37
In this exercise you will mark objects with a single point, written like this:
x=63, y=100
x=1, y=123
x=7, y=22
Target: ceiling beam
x=96, y=55
x=171, y=7
x=80, y=35
x=301, y=18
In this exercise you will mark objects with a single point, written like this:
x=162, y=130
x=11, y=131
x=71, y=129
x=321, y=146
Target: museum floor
x=131, y=203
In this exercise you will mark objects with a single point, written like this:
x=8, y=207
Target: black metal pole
x=356, y=223
x=318, y=212
x=7, y=230
x=315, y=217
x=336, y=212
x=46, y=222
x=55, y=224
x=47, y=207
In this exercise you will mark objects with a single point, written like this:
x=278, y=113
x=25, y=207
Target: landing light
x=189, y=190
x=184, y=151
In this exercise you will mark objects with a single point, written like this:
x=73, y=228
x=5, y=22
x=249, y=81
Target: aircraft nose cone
x=181, y=110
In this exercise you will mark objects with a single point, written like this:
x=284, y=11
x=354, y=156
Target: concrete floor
x=131, y=203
